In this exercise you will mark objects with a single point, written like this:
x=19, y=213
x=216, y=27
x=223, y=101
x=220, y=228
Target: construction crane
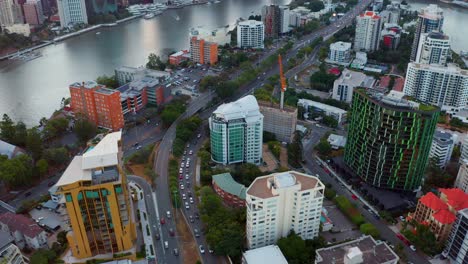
x=282, y=80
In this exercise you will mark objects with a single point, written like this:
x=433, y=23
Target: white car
x=187, y=206
x=202, y=250
x=182, y=187
x=190, y=152
x=186, y=176
x=191, y=200
x=187, y=165
x=184, y=197
x=412, y=247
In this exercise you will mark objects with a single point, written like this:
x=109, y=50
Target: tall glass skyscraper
x=236, y=132
x=389, y=139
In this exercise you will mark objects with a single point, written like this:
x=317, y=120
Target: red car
x=181, y=177
x=326, y=170
x=402, y=238
x=354, y=197
x=163, y=221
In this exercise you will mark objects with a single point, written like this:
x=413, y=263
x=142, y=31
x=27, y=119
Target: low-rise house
x=232, y=192
x=25, y=231
x=9, y=252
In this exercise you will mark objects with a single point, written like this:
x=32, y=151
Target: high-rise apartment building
x=389, y=139
x=236, y=132
x=97, y=201
x=390, y=15
x=99, y=104
x=9, y=252
x=434, y=48
x=462, y=177
x=94, y=7
x=284, y=19
x=271, y=18
x=442, y=148
x=464, y=150
x=203, y=52
x=456, y=247
x=390, y=36
x=340, y=52
x=72, y=12
x=280, y=122
x=445, y=87
x=348, y=81
x=430, y=18
x=368, y=26
x=10, y=13
x=280, y=203
x=250, y=34
x=33, y=13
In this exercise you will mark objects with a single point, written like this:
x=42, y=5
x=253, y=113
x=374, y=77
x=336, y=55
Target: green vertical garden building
x=389, y=139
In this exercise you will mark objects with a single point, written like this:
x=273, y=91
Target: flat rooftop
x=264, y=104
x=260, y=186
x=372, y=252
x=269, y=254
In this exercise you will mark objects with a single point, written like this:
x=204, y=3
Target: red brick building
x=99, y=104
x=203, y=52
x=439, y=212
x=232, y=192
x=33, y=12
x=178, y=57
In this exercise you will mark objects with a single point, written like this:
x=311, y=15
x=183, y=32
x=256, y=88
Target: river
x=31, y=90
x=34, y=89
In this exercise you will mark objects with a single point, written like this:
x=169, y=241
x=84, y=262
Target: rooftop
x=340, y=45
x=443, y=138
x=451, y=68
x=21, y=223
x=432, y=201
x=104, y=155
x=437, y=35
x=87, y=84
x=328, y=108
x=268, y=254
x=9, y=149
x=371, y=251
x=228, y=184
x=107, y=91
x=264, y=104
x=454, y=197
x=5, y=239
x=354, y=78
x=432, y=12
x=244, y=108
x=260, y=187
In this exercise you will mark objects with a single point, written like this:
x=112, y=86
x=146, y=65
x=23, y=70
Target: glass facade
x=388, y=146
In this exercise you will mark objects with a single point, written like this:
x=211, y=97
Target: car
x=50, y=184
x=202, y=250
x=168, y=213
x=183, y=158
x=182, y=165
x=191, y=200
x=27, y=194
x=185, y=152
x=199, y=136
x=183, y=196
x=197, y=234
x=412, y=247
x=182, y=187
x=210, y=250
x=187, y=206
x=188, y=165
x=171, y=232
x=186, y=176
x=188, y=145
x=402, y=218
x=181, y=177
x=166, y=244
x=191, y=219
x=190, y=152
x=354, y=197
x=365, y=207
x=39, y=207
x=138, y=147
x=197, y=216
x=162, y=221
x=157, y=236
x=176, y=252
x=189, y=193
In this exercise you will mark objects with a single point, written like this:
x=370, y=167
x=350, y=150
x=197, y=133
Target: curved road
x=162, y=160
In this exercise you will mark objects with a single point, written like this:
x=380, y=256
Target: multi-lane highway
x=161, y=162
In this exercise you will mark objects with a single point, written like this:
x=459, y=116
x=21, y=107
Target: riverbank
x=67, y=36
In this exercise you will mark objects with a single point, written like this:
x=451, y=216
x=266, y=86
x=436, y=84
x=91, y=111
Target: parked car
x=166, y=244
x=176, y=252
x=202, y=250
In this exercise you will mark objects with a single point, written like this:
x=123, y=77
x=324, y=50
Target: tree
x=295, y=151
x=55, y=127
x=323, y=148
x=315, y=6
x=21, y=133
x=330, y=121
x=56, y=155
x=108, y=81
x=268, y=136
x=246, y=173
x=7, y=129
x=330, y=193
x=155, y=63
x=43, y=256
x=34, y=143
x=84, y=129
x=42, y=166
x=16, y=171
x=369, y=229
x=294, y=249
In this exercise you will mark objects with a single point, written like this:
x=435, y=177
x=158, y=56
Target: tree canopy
x=155, y=63
x=84, y=129
x=108, y=81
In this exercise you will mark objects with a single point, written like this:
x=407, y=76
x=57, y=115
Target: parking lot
x=342, y=226
x=186, y=81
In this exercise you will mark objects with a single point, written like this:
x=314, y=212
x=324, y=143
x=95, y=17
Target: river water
x=31, y=90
